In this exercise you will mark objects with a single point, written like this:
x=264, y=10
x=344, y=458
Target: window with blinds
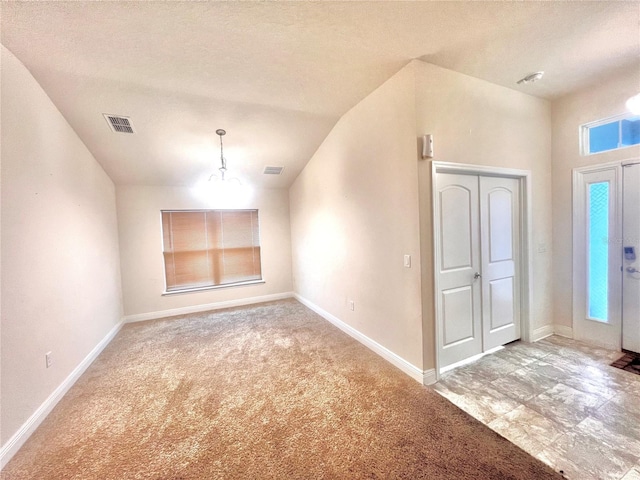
x=207, y=248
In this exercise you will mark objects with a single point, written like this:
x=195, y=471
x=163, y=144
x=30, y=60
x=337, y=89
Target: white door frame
x=526, y=222
x=579, y=249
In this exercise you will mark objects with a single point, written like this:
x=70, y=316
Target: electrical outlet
x=352, y=305
x=48, y=359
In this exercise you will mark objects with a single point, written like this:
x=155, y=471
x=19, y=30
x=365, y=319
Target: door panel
x=500, y=213
x=456, y=224
x=457, y=241
x=500, y=241
x=597, y=230
x=457, y=309
x=631, y=278
x=501, y=305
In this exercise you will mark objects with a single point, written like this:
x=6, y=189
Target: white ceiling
x=278, y=75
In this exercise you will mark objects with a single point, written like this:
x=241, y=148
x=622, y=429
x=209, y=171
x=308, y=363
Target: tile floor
x=559, y=400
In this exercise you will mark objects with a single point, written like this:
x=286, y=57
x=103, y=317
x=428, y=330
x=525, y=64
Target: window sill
x=212, y=287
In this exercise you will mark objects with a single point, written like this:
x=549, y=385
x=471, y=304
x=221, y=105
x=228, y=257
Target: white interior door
x=500, y=241
x=477, y=229
x=631, y=266
x=457, y=262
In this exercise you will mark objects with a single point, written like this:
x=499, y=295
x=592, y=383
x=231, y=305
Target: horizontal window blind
x=210, y=247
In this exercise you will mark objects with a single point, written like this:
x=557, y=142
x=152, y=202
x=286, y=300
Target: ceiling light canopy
x=633, y=104
x=532, y=77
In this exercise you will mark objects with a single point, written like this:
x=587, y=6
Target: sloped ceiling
x=278, y=75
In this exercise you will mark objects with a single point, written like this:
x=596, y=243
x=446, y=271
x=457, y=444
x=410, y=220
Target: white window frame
x=585, y=128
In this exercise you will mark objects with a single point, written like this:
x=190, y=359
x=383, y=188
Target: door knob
x=477, y=276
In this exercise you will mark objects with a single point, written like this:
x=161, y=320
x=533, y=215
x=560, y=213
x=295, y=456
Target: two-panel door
x=477, y=264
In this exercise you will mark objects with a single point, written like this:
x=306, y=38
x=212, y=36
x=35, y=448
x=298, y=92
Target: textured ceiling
x=278, y=75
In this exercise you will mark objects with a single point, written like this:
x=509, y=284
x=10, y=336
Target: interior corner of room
x=396, y=242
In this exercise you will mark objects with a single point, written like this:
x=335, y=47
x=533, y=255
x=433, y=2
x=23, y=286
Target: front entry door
x=477, y=261
x=631, y=266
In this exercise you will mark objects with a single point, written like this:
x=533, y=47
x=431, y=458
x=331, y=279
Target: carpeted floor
x=260, y=392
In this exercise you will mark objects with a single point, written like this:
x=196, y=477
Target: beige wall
x=603, y=100
x=60, y=266
x=364, y=199
x=354, y=215
x=142, y=265
x=479, y=123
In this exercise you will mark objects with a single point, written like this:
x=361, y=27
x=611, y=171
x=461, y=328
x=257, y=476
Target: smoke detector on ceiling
x=532, y=77
x=119, y=124
x=273, y=170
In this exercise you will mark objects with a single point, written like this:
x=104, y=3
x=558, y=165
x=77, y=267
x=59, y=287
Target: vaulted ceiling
x=278, y=75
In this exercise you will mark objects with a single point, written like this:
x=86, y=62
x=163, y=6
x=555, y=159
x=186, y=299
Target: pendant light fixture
x=223, y=164
x=219, y=188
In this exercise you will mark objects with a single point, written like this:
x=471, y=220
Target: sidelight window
x=598, y=250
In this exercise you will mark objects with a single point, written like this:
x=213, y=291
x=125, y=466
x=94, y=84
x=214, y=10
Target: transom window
x=610, y=134
x=210, y=248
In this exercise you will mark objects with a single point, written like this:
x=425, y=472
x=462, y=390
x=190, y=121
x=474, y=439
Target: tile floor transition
x=558, y=400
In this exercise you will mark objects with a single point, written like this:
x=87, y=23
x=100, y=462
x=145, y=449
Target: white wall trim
x=471, y=169
x=429, y=377
x=140, y=317
x=542, y=332
x=563, y=331
x=18, y=439
x=408, y=368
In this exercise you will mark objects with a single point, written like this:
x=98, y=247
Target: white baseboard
x=563, y=331
x=408, y=368
x=9, y=449
x=141, y=317
x=16, y=441
x=429, y=377
x=542, y=332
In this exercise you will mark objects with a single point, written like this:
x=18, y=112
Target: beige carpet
x=267, y=391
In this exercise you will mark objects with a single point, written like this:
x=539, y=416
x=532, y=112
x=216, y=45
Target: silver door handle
x=477, y=276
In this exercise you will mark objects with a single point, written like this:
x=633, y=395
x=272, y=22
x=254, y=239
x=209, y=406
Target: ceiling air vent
x=119, y=124
x=273, y=170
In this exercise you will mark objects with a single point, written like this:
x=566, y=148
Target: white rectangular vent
x=273, y=170
x=119, y=124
